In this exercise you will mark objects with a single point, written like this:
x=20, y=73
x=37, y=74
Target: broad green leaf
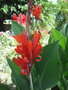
x=64, y=30
x=17, y=28
x=63, y=82
x=36, y=84
x=18, y=69
x=64, y=62
x=35, y=79
x=4, y=87
x=48, y=68
x=56, y=35
x=66, y=74
x=66, y=47
x=22, y=84
x=62, y=56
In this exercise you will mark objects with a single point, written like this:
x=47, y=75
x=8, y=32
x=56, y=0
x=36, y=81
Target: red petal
x=38, y=59
x=17, y=62
x=19, y=49
x=29, y=44
x=36, y=12
x=36, y=38
x=23, y=72
x=15, y=17
x=37, y=51
x=25, y=60
x=20, y=38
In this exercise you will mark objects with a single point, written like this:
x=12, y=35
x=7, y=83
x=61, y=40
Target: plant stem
x=63, y=81
x=31, y=84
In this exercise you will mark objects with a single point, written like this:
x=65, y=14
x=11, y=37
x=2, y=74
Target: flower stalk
x=30, y=6
x=31, y=84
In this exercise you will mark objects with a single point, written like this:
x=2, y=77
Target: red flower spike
x=28, y=50
x=36, y=11
x=15, y=17
x=21, y=19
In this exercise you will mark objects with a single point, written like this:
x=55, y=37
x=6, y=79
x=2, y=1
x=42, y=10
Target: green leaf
x=21, y=83
x=63, y=81
x=36, y=84
x=17, y=28
x=64, y=30
x=33, y=24
x=48, y=68
x=64, y=62
x=18, y=69
x=56, y=35
x=62, y=56
x=66, y=47
x=4, y=87
x=66, y=75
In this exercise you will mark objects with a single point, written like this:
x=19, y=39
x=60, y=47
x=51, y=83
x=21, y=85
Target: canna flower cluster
x=20, y=19
x=36, y=11
x=29, y=51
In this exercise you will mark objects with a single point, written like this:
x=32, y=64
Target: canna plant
x=29, y=51
x=36, y=67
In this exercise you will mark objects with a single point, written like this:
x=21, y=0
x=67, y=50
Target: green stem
x=63, y=81
x=66, y=17
x=31, y=84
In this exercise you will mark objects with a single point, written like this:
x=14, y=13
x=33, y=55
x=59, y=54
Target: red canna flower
x=29, y=51
x=15, y=17
x=21, y=19
x=36, y=11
